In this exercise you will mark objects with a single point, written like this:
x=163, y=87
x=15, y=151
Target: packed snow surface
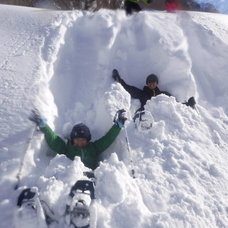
x=61, y=63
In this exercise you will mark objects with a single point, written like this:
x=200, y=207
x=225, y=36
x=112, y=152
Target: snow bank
x=61, y=63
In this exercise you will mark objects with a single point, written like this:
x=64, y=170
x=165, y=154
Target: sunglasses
x=154, y=81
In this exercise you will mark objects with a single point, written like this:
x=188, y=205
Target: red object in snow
x=171, y=5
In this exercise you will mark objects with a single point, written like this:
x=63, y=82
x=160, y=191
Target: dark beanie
x=80, y=131
x=151, y=78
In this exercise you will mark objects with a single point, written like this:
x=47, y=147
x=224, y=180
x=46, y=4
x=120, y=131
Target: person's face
x=80, y=142
x=152, y=85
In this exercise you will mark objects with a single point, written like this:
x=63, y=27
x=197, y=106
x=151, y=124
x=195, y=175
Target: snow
x=61, y=62
x=220, y=5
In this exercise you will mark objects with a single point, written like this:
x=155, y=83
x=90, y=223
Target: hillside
x=61, y=63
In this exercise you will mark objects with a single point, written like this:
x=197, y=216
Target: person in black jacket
x=150, y=90
x=132, y=5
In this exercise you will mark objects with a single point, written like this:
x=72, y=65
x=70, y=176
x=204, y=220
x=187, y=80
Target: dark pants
x=130, y=6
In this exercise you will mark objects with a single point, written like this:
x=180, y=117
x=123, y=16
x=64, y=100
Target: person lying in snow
x=132, y=5
x=80, y=139
x=150, y=90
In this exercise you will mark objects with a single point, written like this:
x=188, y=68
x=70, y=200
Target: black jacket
x=142, y=95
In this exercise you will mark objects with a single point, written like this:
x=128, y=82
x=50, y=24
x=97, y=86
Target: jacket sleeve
x=53, y=141
x=166, y=93
x=134, y=91
x=103, y=143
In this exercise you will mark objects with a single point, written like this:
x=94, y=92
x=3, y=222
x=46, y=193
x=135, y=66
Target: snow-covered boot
x=78, y=207
x=30, y=212
x=143, y=121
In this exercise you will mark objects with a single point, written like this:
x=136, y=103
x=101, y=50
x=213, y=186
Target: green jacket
x=89, y=154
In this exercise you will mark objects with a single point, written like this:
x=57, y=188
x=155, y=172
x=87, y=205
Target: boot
x=191, y=102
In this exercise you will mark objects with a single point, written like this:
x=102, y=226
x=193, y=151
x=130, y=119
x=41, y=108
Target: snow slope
x=61, y=63
x=221, y=5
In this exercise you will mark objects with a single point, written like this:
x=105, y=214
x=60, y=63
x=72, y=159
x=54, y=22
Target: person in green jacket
x=132, y=5
x=80, y=139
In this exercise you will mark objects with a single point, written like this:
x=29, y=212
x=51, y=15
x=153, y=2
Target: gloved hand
x=115, y=75
x=120, y=118
x=37, y=118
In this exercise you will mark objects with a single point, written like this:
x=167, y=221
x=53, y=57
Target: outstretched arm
x=53, y=141
x=132, y=90
x=103, y=143
x=106, y=141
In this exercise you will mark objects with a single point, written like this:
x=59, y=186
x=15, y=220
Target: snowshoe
x=143, y=121
x=78, y=207
x=30, y=212
x=32, y=209
x=90, y=175
x=80, y=215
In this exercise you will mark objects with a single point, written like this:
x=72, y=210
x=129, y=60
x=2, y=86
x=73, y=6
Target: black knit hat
x=80, y=131
x=151, y=78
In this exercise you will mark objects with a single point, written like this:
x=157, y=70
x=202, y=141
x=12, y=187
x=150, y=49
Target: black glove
x=37, y=118
x=149, y=1
x=120, y=118
x=116, y=75
x=191, y=102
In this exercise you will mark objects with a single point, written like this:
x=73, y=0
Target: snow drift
x=61, y=63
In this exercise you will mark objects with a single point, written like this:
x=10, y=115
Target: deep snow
x=61, y=63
